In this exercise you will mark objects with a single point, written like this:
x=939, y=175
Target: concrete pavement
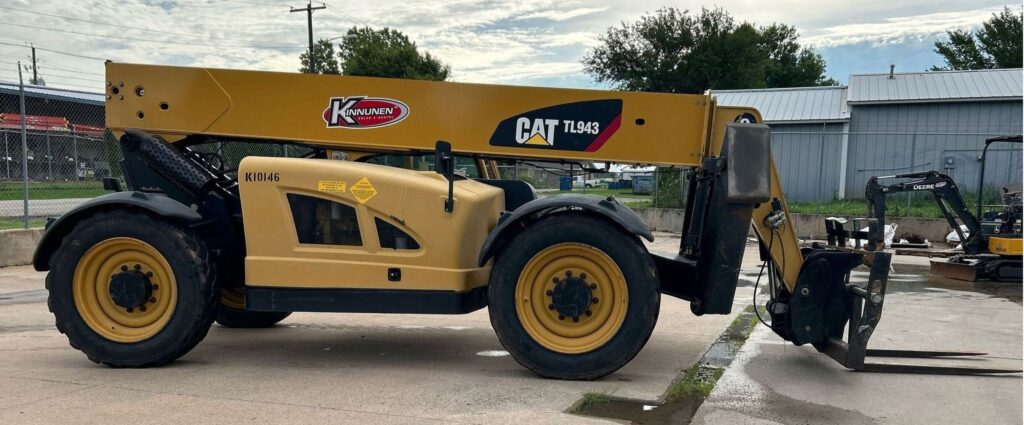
x=319, y=368
x=772, y=381
x=374, y=368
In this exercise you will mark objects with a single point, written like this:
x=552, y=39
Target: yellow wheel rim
x=233, y=297
x=543, y=283
x=91, y=290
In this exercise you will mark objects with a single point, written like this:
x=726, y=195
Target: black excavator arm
x=946, y=194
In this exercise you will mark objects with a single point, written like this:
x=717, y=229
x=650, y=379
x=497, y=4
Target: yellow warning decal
x=330, y=186
x=363, y=190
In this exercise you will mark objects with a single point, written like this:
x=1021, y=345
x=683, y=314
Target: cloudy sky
x=532, y=42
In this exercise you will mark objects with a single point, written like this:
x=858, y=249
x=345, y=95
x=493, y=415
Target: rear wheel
x=231, y=312
x=131, y=290
x=573, y=297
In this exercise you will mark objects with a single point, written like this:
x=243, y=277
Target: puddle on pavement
x=493, y=353
x=679, y=409
x=687, y=392
x=924, y=282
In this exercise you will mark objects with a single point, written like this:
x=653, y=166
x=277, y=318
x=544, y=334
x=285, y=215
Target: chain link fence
x=54, y=149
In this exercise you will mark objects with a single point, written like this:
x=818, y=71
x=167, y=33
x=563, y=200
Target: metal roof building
x=792, y=105
x=938, y=86
x=828, y=141
x=808, y=124
x=44, y=92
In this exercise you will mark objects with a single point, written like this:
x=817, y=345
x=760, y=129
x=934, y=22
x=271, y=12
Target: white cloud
x=563, y=15
x=896, y=30
x=492, y=41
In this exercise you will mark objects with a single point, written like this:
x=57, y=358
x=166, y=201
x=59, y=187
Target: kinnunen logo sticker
x=364, y=112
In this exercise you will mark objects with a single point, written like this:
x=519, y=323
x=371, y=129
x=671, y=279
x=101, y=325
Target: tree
x=997, y=44
x=679, y=52
x=323, y=59
x=387, y=53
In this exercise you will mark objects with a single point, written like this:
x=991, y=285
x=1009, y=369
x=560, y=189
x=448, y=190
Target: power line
x=46, y=64
x=46, y=73
x=350, y=17
x=96, y=88
x=128, y=38
x=12, y=63
x=146, y=29
x=220, y=3
x=256, y=3
x=53, y=51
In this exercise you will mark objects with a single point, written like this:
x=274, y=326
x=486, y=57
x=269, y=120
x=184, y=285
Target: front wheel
x=131, y=290
x=573, y=297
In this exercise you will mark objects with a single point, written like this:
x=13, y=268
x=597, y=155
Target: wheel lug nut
x=594, y=300
x=593, y=286
x=152, y=299
x=576, y=319
x=561, y=317
x=551, y=306
x=155, y=286
x=583, y=275
x=568, y=273
x=555, y=280
x=149, y=274
x=549, y=293
x=588, y=312
x=142, y=308
x=130, y=309
x=138, y=267
x=124, y=268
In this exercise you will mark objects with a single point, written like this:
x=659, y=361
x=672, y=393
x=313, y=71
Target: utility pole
x=35, y=74
x=24, y=147
x=309, y=22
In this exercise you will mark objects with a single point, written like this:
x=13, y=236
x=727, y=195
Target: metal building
x=827, y=141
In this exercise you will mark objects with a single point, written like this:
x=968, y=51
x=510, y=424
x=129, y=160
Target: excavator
x=137, y=277
x=991, y=242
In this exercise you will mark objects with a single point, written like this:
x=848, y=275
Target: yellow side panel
x=412, y=201
x=654, y=128
x=1005, y=246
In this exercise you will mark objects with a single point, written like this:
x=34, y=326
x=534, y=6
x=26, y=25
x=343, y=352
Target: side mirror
x=444, y=164
x=112, y=183
x=443, y=160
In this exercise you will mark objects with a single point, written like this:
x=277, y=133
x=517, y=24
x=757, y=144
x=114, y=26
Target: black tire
x=235, y=318
x=196, y=288
x=642, y=286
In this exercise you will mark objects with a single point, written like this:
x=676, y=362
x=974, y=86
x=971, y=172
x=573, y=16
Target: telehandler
x=136, y=277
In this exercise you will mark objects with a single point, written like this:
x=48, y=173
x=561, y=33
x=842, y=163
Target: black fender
x=510, y=224
x=155, y=203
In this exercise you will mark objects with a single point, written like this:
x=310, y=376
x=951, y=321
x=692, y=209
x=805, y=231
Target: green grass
x=698, y=381
x=922, y=205
x=19, y=223
x=646, y=203
x=590, y=401
x=601, y=191
x=10, y=191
